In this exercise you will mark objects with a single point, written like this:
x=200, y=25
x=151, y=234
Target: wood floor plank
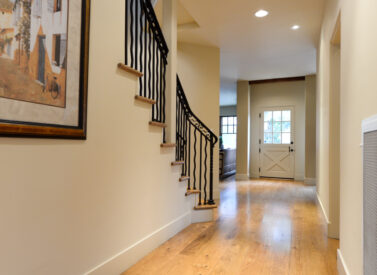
x=261, y=227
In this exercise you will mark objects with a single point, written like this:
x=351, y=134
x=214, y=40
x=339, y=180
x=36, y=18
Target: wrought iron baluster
x=189, y=154
x=176, y=127
x=136, y=34
x=151, y=95
x=126, y=34
x=164, y=92
x=200, y=170
x=160, y=85
x=194, y=171
x=145, y=53
x=211, y=201
x=132, y=52
x=141, y=52
x=205, y=173
x=156, y=83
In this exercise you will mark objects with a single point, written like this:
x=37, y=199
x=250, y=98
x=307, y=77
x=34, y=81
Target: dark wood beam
x=285, y=79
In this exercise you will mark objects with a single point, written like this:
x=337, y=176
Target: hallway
x=262, y=227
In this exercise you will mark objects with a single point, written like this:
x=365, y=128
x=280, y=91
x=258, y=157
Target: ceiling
x=257, y=48
x=253, y=48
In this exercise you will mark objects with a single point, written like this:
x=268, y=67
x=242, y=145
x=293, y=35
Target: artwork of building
x=33, y=34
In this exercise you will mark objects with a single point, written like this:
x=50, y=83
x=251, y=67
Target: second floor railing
x=195, y=147
x=146, y=51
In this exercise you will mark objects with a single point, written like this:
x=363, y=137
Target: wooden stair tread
x=130, y=70
x=205, y=206
x=168, y=145
x=176, y=163
x=158, y=124
x=191, y=192
x=145, y=99
x=184, y=178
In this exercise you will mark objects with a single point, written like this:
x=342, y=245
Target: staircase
x=146, y=54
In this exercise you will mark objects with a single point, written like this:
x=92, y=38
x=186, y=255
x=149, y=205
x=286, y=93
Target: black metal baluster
x=176, y=129
x=145, y=55
x=205, y=173
x=160, y=86
x=157, y=91
x=149, y=65
x=185, y=165
x=164, y=101
x=200, y=170
x=153, y=79
x=136, y=34
x=141, y=53
x=185, y=152
x=194, y=171
x=132, y=52
x=189, y=154
x=211, y=201
x=126, y=35
x=164, y=91
x=178, y=136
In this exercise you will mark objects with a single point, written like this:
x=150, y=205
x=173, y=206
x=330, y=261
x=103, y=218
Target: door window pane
x=286, y=138
x=268, y=127
x=277, y=127
x=277, y=116
x=286, y=127
x=268, y=116
x=277, y=138
x=268, y=138
x=225, y=121
x=286, y=115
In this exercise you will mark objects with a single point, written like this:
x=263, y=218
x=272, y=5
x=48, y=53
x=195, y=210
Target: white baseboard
x=299, y=178
x=341, y=264
x=323, y=210
x=310, y=181
x=198, y=216
x=242, y=177
x=129, y=256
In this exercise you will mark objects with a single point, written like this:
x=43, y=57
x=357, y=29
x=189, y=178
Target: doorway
x=276, y=150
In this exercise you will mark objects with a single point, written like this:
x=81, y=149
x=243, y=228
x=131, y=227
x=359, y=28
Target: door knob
x=290, y=149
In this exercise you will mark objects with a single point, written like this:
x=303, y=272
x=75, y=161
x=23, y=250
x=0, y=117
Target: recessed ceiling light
x=261, y=13
x=295, y=27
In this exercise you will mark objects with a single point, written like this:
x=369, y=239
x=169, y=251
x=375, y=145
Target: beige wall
x=199, y=71
x=243, y=130
x=310, y=128
x=358, y=99
x=68, y=206
x=276, y=95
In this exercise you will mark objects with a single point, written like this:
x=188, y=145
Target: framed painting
x=44, y=48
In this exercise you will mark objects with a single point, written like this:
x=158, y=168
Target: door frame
x=261, y=134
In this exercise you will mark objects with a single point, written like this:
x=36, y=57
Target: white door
x=276, y=153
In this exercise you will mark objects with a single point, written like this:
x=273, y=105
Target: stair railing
x=146, y=51
x=195, y=146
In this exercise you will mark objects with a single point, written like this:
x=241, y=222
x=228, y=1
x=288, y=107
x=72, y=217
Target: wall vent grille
x=370, y=203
